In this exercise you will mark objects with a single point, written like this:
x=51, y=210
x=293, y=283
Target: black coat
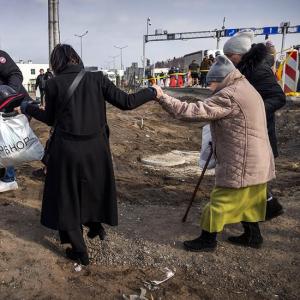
x=256, y=68
x=11, y=75
x=80, y=184
x=40, y=82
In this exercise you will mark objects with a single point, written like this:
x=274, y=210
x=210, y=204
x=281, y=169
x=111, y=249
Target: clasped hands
x=159, y=91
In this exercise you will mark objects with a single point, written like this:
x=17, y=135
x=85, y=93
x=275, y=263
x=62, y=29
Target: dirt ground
x=149, y=237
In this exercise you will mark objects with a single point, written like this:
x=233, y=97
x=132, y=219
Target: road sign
x=215, y=33
x=230, y=32
x=270, y=30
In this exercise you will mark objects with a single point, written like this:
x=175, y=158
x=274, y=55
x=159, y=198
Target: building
x=158, y=71
x=30, y=72
x=133, y=72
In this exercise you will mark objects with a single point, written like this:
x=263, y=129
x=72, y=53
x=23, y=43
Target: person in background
x=48, y=74
x=271, y=57
x=41, y=84
x=204, y=68
x=12, y=76
x=252, y=61
x=162, y=79
x=41, y=172
x=244, y=159
x=194, y=69
x=211, y=58
x=80, y=185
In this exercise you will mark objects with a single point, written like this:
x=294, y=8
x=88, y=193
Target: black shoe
x=250, y=238
x=100, y=232
x=274, y=209
x=80, y=257
x=205, y=242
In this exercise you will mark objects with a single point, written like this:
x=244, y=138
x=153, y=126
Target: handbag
x=70, y=92
x=18, y=143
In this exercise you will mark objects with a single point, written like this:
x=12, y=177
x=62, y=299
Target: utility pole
x=81, y=36
x=53, y=24
x=218, y=34
x=121, y=53
x=284, y=27
x=56, y=33
x=144, y=46
x=50, y=26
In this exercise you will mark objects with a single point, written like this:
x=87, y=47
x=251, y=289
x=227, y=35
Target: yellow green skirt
x=229, y=206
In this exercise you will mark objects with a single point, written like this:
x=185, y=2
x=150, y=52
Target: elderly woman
x=244, y=159
x=80, y=185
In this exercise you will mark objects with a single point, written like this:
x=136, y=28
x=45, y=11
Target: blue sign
x=230, y=32
x=270, y=30
x=298, y=28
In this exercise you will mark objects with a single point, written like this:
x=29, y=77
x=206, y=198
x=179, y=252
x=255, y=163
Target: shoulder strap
x=70, y=93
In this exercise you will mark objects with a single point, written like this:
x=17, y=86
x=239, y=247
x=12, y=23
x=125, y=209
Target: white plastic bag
x=206, y=148
x=18, y=143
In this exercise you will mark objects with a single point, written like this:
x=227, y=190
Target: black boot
x=274, y=209
x=96, y=229
x=250, y=238
x=205, y=242
x=80, y=257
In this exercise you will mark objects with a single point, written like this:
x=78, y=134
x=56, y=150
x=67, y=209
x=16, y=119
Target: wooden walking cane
x=198, y=184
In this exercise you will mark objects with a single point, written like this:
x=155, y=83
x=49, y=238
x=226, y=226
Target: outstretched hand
x=159, y=91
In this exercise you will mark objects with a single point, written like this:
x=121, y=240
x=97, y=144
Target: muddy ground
x=149, y=237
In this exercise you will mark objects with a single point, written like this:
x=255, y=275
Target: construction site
x=156, y=164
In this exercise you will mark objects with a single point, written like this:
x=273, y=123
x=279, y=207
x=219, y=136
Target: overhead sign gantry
x=283, y=29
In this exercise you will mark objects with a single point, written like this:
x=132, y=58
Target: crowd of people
x=199, y=73
x=80, y=186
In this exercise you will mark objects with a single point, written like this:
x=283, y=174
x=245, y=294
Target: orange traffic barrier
x=173, y=81
x=180, y=81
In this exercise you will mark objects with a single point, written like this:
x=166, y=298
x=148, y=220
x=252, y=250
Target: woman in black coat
x=256, y=66
x=80, y=184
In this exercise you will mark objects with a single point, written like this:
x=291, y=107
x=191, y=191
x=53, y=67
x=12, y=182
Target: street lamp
x=121, y=49
x=81, y=36
x=144, y=46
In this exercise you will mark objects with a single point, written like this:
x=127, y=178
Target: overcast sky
x=24, y=28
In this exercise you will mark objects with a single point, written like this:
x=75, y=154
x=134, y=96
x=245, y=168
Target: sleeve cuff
x=153, y=90
x=24, y=105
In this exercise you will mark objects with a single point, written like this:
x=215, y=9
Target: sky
x=24, y=26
